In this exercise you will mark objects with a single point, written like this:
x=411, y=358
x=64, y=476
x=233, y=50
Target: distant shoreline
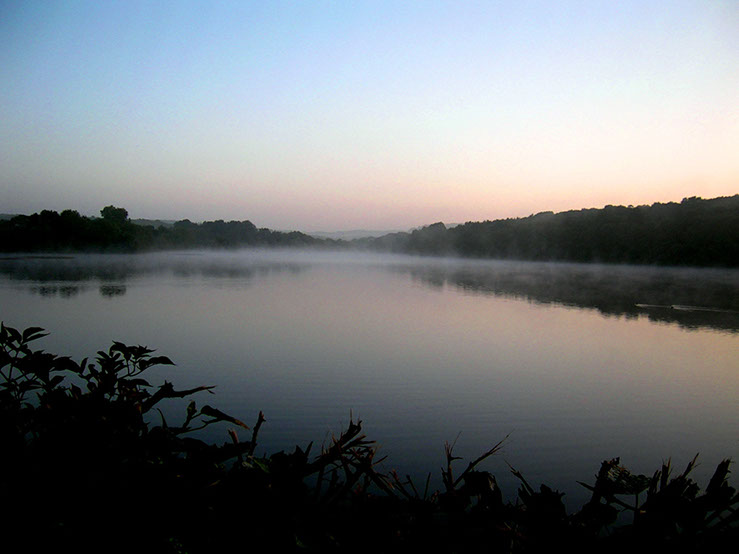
x=694, y=232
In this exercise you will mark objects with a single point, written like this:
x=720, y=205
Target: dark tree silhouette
x=114, y=215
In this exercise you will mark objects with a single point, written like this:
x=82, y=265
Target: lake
x=575, y=363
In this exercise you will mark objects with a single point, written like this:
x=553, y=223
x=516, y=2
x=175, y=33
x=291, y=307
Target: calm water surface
x=577, y=363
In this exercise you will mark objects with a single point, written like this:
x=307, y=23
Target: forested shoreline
x=68, y=231
x=693, y=232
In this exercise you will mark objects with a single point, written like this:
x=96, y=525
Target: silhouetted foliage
x=114, y=232
x=85, y=468
x=693, y=232
x=114, y=215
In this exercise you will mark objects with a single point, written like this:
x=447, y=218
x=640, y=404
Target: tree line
x=113, y=231
x=694, y=232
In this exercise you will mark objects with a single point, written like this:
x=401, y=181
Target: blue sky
x=342, y=115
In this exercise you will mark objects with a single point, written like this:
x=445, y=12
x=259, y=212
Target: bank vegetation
x=90, y=464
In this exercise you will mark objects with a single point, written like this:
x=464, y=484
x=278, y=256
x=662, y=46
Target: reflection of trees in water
x=64, y=291
x=227, y=271
x=624, y=291
x=112, y=271
x=120, y=268
x=55, y=269
x=111, y=291
x=692, y=298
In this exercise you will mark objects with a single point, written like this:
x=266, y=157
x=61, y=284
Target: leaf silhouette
x=220, y=416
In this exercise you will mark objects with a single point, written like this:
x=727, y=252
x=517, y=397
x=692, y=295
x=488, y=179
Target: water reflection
x=691, y=298
x=419, y=348
x=63, y=291
x=53, y=275
x=111, y=291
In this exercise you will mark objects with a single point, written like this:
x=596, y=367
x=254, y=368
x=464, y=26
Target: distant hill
x=154, y=222
x=350, y=235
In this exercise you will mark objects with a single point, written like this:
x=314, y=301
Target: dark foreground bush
x=84, y=468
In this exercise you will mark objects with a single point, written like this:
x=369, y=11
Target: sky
x=325, y=116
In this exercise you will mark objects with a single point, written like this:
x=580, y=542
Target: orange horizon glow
x=367, y=116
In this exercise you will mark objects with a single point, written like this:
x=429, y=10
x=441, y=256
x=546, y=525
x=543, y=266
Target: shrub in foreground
x=85, y=467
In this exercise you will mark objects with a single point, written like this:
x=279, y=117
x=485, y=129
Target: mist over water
x=578, y=363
